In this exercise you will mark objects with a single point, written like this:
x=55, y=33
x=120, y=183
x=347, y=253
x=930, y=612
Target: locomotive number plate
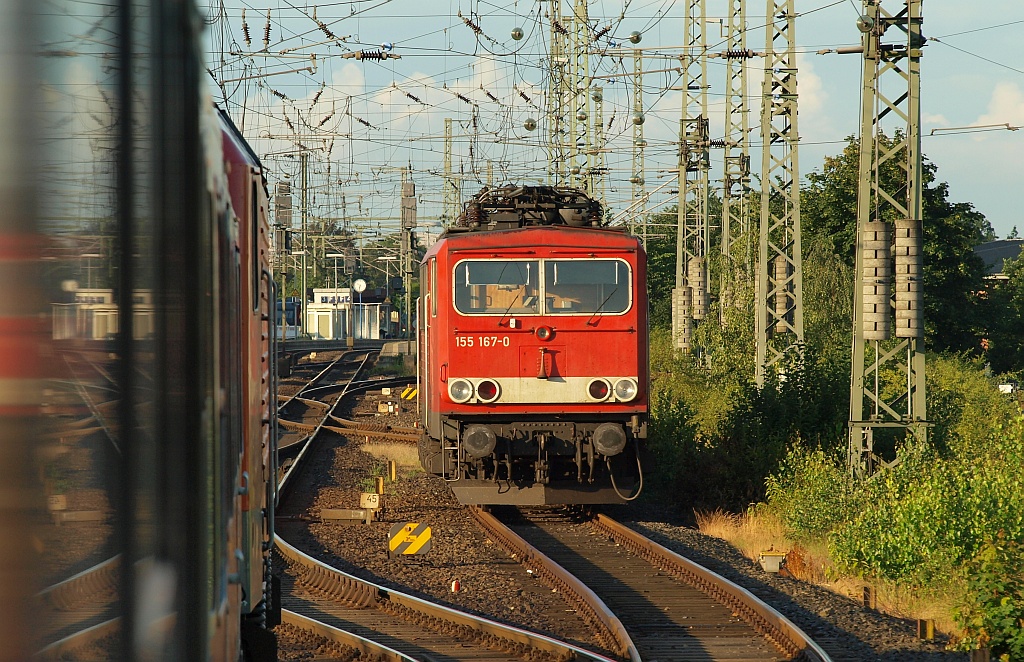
x=482, y=341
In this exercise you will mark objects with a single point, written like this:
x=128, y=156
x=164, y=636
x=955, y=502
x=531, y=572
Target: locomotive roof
x=512, y=206
x=543, y=237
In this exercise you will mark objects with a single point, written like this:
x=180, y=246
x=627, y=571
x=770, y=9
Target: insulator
x=326, y=30
x=462, y=98
x=682, y=317
x=279, y=95
x=491, y=97
x=559, y=28
x=697, y=279
x=875, y=260
x=473, y=213
x=602, y=32
x=717, y=142
x=524, y=97
x=325, y=120
x=289, y=123
x=363, y=122
x=470, y=24
x=735, y=53
x=413, y=97
x=611, y=121
x=245, y=30
x=316, y=97
x=909, y=268
x=266, y=32
x=370, y=55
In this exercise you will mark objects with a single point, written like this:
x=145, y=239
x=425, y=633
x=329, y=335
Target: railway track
x=392, y=619
x=79, y=611
x=646, y=602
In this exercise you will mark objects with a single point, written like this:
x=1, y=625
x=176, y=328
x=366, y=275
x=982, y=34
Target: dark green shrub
x=811, y=492
x=992, y=614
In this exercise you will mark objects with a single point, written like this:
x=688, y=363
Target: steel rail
x=360, y=644
x=59, y=650
x=315, y=380
x=359, y=592
x=608, y=629
x=83, y=586
x=760, y=615
x=284, y=484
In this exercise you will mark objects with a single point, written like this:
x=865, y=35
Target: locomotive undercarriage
x=537, y=462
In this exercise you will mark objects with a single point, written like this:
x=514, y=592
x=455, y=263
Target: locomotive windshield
x=496, y=287
x=569, y=287
x=586, y=286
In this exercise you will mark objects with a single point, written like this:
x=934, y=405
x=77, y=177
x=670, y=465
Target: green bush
x=992, y=614
x=933, y=511
x=716, y=436
x=811, y=492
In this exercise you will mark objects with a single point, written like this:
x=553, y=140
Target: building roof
x=994, y=253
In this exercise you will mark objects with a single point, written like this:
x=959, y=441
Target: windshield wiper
x=606, y=299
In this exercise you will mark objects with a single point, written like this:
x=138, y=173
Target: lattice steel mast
x=779, y=326
x=450, y=210
x=637, y=178
x=571, y=161
x=736, y=184
x=557, y=99
x=690, y=295
x=879, y=212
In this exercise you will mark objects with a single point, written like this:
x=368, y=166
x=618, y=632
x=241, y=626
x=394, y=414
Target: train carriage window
x=586, y=287
x=497, y=287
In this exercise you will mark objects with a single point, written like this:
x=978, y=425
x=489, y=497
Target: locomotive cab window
x=568, y=287
x=575, y=287
x=497, y=287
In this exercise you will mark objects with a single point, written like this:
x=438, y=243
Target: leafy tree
x=952, y=272
x=1005, y=319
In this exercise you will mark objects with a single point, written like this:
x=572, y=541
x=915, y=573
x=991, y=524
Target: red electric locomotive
x=533, y=350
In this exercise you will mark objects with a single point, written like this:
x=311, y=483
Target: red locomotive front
x=534, y=354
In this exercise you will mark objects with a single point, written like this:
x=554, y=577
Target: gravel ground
x=843, y=627
x=491, y=583
x=495, y=585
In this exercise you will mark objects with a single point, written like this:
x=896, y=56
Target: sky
x=362, y=121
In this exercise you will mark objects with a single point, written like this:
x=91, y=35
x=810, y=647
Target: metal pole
x=887, y=220
x=303, y=160
x=778, y=321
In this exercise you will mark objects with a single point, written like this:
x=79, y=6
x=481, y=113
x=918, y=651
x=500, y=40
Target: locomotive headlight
x=598, y=389
x=487, y=391
x=460, y=390
x=625, y=390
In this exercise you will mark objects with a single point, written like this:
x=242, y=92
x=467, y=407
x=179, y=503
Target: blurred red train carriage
x=533, y=349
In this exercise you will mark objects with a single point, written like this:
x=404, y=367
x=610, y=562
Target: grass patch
x=406, y=456
x=808, y=560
